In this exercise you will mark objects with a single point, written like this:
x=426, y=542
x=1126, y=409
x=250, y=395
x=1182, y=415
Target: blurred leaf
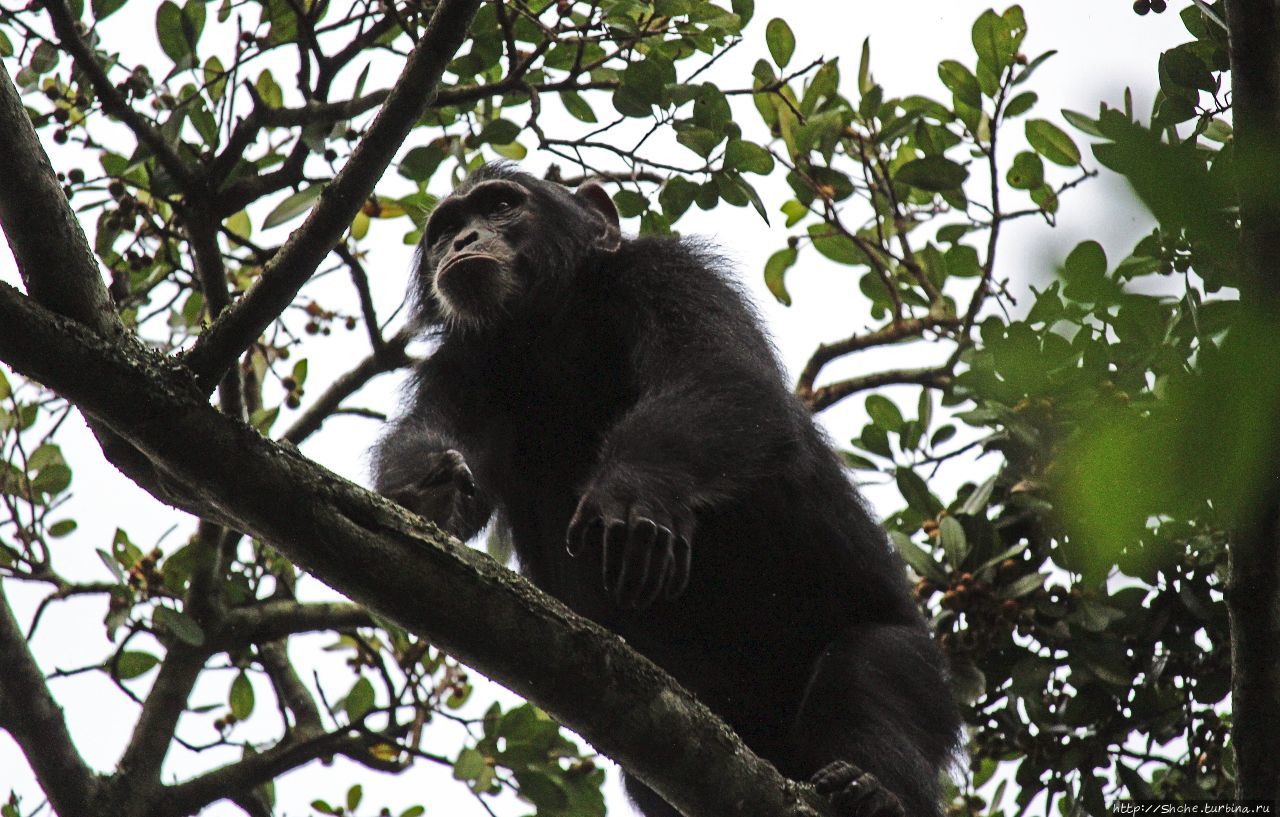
x=180, y=625
x=884, y=412
x=241, y=697
x=954, y=543
x=917, y=558
x=293, y=206
x=775, y=271
x=916, y=493
x=577, y=107
x=781, y=42
x=133, y=664
x=961, y=82
x=359, y=700
x=933, y=173
x=102, y=9
x=1052, y=142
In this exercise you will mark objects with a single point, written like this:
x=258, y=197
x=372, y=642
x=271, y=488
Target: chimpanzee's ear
x=597, y=200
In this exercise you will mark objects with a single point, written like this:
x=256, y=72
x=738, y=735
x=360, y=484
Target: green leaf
x=359, y=700
x=169, y=31
x=239, y=224
x=1087, y=260
x=864, y=67
x=5, y=388
x=748, y=157
x=469, y=765
x=498, y=132
x=132, y=664
x=354, y=795
x=53, y=479
x=961, y=82
x=1026, y=172
x=676, y=196
x=62, y=528
x=884, y=412
x=976, y=504
x=112, y=564
x=993, y=40
x=630, y=203
x=954, y=543
x=102, y=9
x=1020, y=104
x=834, y=245
x=781, y=42
x=711, y=109
x=917, y=558
x=936, y=174
x=241, y=697
x=775, y=272
x=293, y=206
x=180, y=625
x=916, y=493
x=577, y=107
x=1022, y=586
x=1052, y=142
x=1081, y=122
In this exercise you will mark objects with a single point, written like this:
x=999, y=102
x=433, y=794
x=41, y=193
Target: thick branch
x=1253, y=599
x=217, y=349
x=379, y=555
x=47, y=241
x=29, y=713
x=166, y=702
x=236, y=778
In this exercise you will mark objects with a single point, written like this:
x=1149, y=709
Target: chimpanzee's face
x=471, y=250
x=497, y=236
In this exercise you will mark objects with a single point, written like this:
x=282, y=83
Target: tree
x=1086, y=624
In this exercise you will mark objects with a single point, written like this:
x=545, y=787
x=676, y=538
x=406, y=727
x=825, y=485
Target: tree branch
x=166, y=702
x=480, y=612
x=1253, y=597
x=236, y=778
x=46, y=238
x=64, y=25
x=892, y=333
x=273, y=620
x=220, y=345
x=392, y=356
x=827, y=396
x=30, y=714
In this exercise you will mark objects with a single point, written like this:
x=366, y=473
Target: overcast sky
x=1103, y=47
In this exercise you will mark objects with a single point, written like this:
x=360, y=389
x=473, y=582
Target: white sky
x=1103, y=46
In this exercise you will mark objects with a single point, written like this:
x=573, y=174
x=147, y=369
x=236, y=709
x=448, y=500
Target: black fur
x=627, y=381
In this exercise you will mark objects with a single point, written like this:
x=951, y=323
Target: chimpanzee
x=617, y=403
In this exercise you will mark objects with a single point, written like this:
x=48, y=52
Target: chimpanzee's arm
x=710, y=426
x=417, y=464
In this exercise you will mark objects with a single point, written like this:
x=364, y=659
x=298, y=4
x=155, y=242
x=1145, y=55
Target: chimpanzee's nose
x=466, y=239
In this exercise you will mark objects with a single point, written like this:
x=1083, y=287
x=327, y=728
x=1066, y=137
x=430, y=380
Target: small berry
x=1141, y=6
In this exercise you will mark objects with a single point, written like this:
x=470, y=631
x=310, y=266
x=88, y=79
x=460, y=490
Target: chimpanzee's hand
x=644, y=545
x=439, y=490
x=855, y=793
